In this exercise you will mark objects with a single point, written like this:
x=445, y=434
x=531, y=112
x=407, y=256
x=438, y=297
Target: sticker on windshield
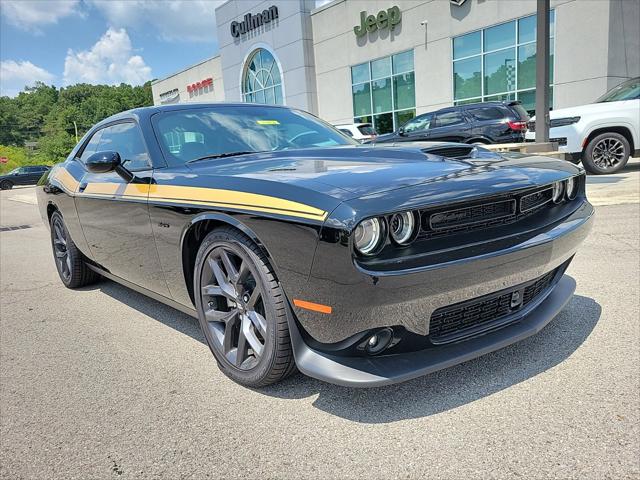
x=268, y=122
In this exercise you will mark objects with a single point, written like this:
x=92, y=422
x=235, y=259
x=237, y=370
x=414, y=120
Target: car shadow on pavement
x=421, y=397
x=169, y=316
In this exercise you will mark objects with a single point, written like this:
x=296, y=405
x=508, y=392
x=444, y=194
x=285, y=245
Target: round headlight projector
x=402, y=226
x=558, y=190
x=367, y=236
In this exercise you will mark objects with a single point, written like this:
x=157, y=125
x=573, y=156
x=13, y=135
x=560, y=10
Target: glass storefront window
x=383, y=91
x=466, y=45
x=361, y=99
x=381, y=68
x=500, y=36
x=262, y=82
x=403, y=62
x=360, y=73
x=500, y=71
x=467, y=77
x=404, y=116
x=499, y=62
x=404, y=91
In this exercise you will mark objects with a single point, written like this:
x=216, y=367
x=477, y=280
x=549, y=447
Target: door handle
x=83, y=185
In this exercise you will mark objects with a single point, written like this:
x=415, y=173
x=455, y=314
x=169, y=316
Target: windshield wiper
x=221, y=155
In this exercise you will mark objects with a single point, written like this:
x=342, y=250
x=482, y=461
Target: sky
x=63, y=42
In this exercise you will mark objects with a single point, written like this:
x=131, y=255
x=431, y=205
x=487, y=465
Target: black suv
x=488, y=122
x=28, y=175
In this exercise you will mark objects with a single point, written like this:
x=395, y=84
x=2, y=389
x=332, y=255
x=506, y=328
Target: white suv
x=603, y=134
x=358, y=131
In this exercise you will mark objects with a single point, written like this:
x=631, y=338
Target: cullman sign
x=384, y=19
x=253, y=21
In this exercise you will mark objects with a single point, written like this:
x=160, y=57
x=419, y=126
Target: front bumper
x=389, y=369
x=570, y=138
x=325, y=345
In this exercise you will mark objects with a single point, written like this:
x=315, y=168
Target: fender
x=597, y=125
x=232, y=221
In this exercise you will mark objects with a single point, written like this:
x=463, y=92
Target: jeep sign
x=384, y=19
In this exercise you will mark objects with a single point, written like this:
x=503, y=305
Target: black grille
x=464, y=319
x=535, y=200
x=481, y=215
x=466, y=216
x=450, y=152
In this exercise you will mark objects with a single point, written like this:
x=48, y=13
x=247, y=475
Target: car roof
x=466, y=106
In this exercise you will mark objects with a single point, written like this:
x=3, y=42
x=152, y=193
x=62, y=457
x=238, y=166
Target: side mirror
x=401, y=131
x=103, y=162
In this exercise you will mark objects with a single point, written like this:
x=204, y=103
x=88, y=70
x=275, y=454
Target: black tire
x=246, y=320
x=479, y=141
x=606, y=153
x=6, y=185
x=72, y=269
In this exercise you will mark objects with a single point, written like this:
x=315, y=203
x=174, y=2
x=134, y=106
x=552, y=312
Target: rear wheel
x=606, y=153
x=70, y=263
x=6, y=185
x=242, y=309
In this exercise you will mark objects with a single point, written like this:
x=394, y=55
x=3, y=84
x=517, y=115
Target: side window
x=449, y=119
x=488, y=113
x=346, y=132
x=91, y=147
x=126, y=139
x=423, y=122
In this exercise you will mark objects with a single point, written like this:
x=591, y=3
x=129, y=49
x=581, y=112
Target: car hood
x=357, y=171
x=583, y=110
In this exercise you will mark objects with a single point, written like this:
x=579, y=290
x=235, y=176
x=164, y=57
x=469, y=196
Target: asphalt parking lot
x=106, y=383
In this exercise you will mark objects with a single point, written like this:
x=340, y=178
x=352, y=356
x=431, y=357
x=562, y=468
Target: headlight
x=367, y=236
x=558, y=190
x=563, y=122
x=402, y=227
x=572, y=188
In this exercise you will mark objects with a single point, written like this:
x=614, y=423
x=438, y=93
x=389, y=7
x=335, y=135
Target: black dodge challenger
x=295, y=247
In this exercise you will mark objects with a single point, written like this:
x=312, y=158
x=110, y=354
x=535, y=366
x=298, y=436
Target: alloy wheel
x=608, y=153
x=60, y=249
x=233, y=303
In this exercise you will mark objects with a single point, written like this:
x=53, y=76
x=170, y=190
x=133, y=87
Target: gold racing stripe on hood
x=192, y=195
x=232, y=198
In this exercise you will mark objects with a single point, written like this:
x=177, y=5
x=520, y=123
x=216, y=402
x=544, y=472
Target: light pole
x=542, y=72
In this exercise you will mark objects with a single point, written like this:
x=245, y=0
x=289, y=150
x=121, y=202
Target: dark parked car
x=295, y=247
x=489, y=122
x=22, y=176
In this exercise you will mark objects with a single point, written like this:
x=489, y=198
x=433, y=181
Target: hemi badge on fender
x=315, y=307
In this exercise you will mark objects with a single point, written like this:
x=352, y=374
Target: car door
x=450, y=126
x=114, y=212
x=33, y=175
x=21, y=177
x=416, y=130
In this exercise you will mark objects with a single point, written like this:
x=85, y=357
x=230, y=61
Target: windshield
x=629, y=90
x=219, y=131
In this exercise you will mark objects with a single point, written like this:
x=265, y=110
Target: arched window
x=262, y=81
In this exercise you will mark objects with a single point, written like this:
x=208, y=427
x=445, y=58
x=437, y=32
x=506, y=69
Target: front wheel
x=6, y=185
x=242, y=309
x=72, y=269
x=606, y=153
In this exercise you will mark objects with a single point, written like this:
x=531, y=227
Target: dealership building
x=384, y=61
